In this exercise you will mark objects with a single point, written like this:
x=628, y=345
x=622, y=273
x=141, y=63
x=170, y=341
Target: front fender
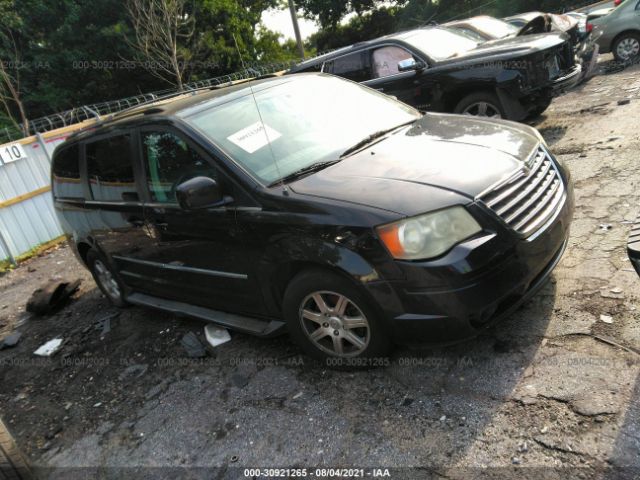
x=284, y=259
x=321, y=252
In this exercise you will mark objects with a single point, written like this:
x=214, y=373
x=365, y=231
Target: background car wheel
x=481, y=104
x=627, y=47
x=330, y=317
x=13, y=465
x=106, y=279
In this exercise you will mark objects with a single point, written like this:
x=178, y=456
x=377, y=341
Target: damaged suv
x=317, y=205
x=444, y=70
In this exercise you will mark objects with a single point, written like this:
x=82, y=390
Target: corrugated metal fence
x=27, y=218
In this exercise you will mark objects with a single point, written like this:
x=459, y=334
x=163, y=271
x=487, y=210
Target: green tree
x=329, y=13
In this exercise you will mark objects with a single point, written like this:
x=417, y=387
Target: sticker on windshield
x=254, y=137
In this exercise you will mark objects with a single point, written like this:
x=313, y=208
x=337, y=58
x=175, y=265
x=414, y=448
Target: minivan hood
x=448, y=158
x=511, y=46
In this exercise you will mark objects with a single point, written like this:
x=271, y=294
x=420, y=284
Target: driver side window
x=386, y=59
x=169, y=161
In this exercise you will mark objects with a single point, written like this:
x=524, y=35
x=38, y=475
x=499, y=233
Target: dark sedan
x=314, y=204
x=441, y=69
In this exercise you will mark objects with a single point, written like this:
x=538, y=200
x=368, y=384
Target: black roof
x=173, y=104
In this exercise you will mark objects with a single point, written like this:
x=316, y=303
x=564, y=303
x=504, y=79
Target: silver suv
x=621, y=31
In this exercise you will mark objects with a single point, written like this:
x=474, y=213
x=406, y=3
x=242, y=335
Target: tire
x=13, y=465
x=539, y=109
x=481, y=104
x=367, y=337
x=626, y=48
x=106, y=279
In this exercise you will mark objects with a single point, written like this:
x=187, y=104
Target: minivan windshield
x=306, y=121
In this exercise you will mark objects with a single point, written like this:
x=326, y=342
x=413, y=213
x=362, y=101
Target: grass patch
x=6, y=266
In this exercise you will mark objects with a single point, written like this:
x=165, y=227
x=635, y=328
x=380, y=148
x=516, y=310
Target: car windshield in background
x=494, y=27
x=306, y=123
x=441, y=43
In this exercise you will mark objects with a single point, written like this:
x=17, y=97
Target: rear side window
x=169, y=162
x=110, y=169
x=66, y=173
x=354, y=67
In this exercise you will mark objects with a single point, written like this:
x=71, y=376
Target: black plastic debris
x=10, y=340
x=51, y=297
x=192, y=346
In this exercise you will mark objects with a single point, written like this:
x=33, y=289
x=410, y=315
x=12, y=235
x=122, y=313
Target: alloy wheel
x=106, y=279
x=482, y=109
x=334, y=324
x=628, y=48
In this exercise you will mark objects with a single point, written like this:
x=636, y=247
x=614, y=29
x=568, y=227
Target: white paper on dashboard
x=254, y=137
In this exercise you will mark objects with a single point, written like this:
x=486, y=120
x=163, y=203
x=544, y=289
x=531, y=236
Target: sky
x=280, y=21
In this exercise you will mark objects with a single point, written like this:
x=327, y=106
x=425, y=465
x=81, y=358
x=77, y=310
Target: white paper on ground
x=49, y=348
x=254, y=137
x=216, y=335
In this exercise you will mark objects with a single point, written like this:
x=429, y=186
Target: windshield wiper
x=369, y=139
x=303, y=172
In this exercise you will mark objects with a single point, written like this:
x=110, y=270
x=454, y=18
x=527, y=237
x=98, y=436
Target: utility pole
x=296, y=28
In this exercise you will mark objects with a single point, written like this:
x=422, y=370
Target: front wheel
x=627, y=47
x=328, y=316
x=481, y=104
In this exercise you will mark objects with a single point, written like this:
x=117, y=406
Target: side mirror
x=410, y=64
x=200, y=192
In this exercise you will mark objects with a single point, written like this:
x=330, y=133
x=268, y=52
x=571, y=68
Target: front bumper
x=475, y=285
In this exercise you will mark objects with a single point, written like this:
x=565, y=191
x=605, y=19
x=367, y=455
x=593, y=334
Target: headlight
x=428, y=235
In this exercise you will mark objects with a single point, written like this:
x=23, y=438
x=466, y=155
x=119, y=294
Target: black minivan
x=314, y=204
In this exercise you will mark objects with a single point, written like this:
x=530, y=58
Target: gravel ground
x=551, y=392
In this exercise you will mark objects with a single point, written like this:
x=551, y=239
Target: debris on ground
x=10, y=340
x=49, y=348
x=606, y=227
x=616, y=293
x=192, y=346
x=606, y=318
x=104, y=324
x=51, y=297
x=133, y=371
x=216, y=335
x=624, y=101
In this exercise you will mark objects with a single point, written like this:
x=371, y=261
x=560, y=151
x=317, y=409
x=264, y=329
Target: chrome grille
x=531, y=198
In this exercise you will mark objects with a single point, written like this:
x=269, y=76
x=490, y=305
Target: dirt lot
x=547, y=393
